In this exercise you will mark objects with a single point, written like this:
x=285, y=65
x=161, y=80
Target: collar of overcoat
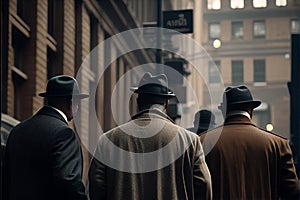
x=152, y=113
x=47, y=110
x=238, y=119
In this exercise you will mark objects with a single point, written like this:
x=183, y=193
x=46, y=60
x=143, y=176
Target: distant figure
x=149, y=157
x=245, y=161
x=43, y=159
x=202, y=120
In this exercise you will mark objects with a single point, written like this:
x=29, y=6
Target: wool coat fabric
x=129, y=165
x=249, y=163
x=43, y=160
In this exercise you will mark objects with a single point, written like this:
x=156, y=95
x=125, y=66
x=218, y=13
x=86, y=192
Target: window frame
x=237, y=75
x=218, y=35
x=213, y=75
x=259, y=76
x=237, y=2
x=254, y=31
x=232, y=29
x=210, y=4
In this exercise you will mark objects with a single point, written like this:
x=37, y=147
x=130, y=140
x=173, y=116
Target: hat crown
x=62, y=85
x=155, y=85
x=160, y=80
x=239, y=96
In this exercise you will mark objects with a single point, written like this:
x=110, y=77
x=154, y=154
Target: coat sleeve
x=97, y=182
x=66, y=162
x=201, y=174
x=289, y=185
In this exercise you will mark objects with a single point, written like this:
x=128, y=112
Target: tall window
x=259, y=29
x=259, y=67
x=237, y=31
x=259, y=3
x=295, y=29
x=213, y=4
x=214, y=71
x=214, y=30
x=281, y=3
x=237, y=70
x=234, y=4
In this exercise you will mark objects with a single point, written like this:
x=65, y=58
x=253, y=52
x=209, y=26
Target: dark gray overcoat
x=43, y=160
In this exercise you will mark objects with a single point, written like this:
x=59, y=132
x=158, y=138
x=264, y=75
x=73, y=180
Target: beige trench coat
x=249, y=163
x=149, y=158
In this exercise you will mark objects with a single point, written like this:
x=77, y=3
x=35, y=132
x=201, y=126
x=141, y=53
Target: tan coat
x=249, y=163
x=177, y=172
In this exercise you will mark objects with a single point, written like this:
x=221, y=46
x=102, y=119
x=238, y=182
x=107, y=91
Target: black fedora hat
x=62, y=86
x=154, y=85
x=238, y=97
x=203, y=118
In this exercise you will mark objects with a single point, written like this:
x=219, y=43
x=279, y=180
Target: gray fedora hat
x=154, y=85
x=63, y=86
x=238, y=97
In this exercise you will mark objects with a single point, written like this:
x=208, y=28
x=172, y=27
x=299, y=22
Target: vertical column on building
x=41, y=53
x=69, y=38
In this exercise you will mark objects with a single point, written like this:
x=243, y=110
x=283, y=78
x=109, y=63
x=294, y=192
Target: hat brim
x=80, y=96
x=169, y=95
x=242, y=104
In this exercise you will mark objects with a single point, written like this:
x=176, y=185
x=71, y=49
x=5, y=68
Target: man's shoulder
x=272, y=134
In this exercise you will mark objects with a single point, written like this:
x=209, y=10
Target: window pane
x=237, y=70
x=214, y=71
x=259, y=29
x=213, y=4
x=295, y=26
x=214, y=30
x=259, y=3
x=237, y=30
x=237, y=4
x=259, y=71
x=281, y=3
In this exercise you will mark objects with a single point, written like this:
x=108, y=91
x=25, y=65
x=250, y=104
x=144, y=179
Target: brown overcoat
x=246, y=162
x=176, y=172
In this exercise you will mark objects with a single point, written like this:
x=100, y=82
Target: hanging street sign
x=178, y=20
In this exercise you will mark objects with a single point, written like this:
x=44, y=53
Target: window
x=259, y=70
x=213, y=4
x=259, y=29
x=214, y=71
x=281, y=3
x=214, y=30
x=295, y=26
x=237, y=31
x=234, y=4
x=237, y=70
x=259, y=3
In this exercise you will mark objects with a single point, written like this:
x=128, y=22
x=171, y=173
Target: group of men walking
x=149, y=157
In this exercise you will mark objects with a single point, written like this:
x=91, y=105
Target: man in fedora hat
x=245, y=161
x=43, y=157
x=149, y=157
x=203, y=120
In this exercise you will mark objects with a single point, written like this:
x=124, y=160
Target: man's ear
x=250, y=111
x=166, y=104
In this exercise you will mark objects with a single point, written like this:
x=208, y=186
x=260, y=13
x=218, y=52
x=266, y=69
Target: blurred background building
x=249, y=42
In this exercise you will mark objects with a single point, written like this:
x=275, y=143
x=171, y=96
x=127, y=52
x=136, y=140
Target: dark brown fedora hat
x=62, y=86
x=154, y=85
x=238, y=97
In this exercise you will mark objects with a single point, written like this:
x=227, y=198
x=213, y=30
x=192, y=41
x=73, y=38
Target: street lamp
x=217, y=43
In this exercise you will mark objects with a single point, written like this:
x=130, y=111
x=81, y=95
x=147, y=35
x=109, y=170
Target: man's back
x=249, y=163
x=35, y=164
x=161, y=161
